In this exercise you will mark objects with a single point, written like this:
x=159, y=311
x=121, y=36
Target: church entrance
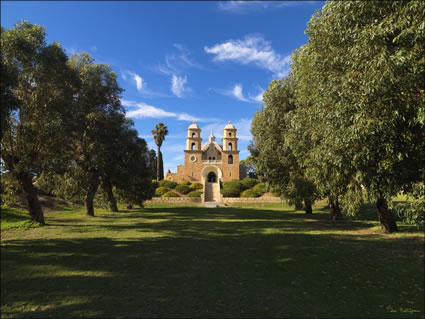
x=212, y=178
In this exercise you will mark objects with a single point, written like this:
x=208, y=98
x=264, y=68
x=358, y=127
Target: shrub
x=169, y=184
x=231, y=188
x=260, y=188
x=161, y=191
x=249, y=183
x=184, y=182
x=249, y=193
x=170, y=194
x=184, y=189
x=194, y=194
x=197, y=186
x=155, y=184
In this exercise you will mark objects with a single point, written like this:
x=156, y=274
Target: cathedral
x=209, y=163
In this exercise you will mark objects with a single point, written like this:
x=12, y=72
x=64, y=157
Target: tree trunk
x=157, y=163
x=308, y=208
x=31, y=197
x=107, y=186
x=91, y=192
x=385, y=215
x=298, y=204
x=335, y=210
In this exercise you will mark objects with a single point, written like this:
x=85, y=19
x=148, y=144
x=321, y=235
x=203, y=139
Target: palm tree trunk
x=157, y=163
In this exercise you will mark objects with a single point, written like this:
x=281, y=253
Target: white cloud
x=258, y=98
x=138, y=79
x=143, y=110
x=249, y=6
x=243, y=127
x=237, y=92
x=177, y=85
x=93, y=49
x=252, y=49
x=177, y=62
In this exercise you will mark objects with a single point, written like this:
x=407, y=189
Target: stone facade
x=210, y=162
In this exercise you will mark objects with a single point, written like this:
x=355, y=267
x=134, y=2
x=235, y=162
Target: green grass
x=174, y=261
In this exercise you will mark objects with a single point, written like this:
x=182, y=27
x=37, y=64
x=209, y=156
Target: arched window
x=212, y=177
x=230, y=159
x=230, y=146
x=193, y=146
x=213, y=158
x=193, y=134
x=209, y=158
x=230, y=134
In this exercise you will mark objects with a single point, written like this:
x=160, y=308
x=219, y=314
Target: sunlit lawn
x=264, y=261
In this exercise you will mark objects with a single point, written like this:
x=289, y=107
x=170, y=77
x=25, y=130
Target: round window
x=192, y=158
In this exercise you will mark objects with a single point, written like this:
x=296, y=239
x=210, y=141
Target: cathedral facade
x=211, y=162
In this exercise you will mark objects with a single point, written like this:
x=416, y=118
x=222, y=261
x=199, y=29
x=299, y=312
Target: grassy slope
x=196, y=262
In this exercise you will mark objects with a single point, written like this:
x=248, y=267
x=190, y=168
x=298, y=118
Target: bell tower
x=193, y=139
x=230, y=142
x=230, y=153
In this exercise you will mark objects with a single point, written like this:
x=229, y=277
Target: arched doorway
x=212, y=178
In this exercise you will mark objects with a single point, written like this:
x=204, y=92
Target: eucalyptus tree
x=365, y=72
x=134, y=181
x=100, y=117
x=159, y=134
x=272, y=154
x=38, y=108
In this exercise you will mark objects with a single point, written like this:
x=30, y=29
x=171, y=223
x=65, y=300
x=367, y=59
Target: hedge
x=197, y=186
x=170, y=194
x=184, y=189
x=249, y=193
x=194, y=194
x=260, y=188
x=169, y=184
x=184, y=182
x=231, y=188
x=161, y=191
x=248, y=183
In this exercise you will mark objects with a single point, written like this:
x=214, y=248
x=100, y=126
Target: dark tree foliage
x=38, y=109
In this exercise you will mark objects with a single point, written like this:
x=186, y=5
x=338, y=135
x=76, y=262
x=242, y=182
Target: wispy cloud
x=143, y=110
x=177, y=62
x=177, y=85
x=237, y=93
x=93, y=49
x=140, y=83
x=138, y=79
x=242, y=7
x=252, y=49
x=243, y=127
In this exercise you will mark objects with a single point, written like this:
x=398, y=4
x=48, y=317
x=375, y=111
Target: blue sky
x=180, y=61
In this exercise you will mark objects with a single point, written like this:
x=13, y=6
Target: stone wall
x=226, y=200
x=230, y=200
x=173, y=200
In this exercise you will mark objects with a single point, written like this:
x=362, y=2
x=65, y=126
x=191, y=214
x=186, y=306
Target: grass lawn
x=251, y=261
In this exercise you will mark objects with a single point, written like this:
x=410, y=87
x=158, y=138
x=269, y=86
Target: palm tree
x=159, y=134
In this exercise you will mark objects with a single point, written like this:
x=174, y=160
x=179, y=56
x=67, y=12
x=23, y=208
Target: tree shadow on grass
x=213, y=263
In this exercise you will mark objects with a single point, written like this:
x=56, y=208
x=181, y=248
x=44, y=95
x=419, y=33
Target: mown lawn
x=162, y=261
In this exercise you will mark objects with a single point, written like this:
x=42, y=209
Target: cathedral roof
x=194, y=125
x=205, y=146
x=229, y=126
